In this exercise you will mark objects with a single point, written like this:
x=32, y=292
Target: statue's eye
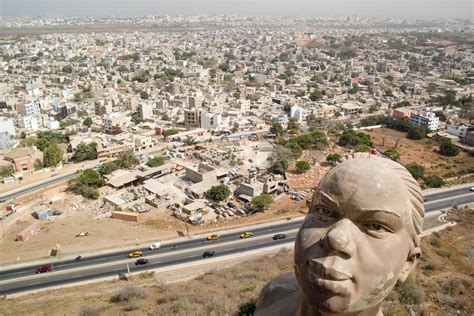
x=326, y=215
x=377, y=228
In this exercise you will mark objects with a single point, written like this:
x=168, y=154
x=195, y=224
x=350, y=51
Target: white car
x=472, y=189
x=156, y=245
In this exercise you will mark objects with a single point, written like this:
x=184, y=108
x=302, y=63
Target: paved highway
x=15, y=280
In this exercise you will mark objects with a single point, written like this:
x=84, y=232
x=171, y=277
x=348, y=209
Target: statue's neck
x=308, y=310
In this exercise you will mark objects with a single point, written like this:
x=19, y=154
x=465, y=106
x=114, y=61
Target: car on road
x=471, y=189
x=53, y=175
x=214, y=237
x=279, y=236
x=135, y=254
x=142, y=261
x=44, y=268
x=156, y=245
x=209, y=253
x=246, y=235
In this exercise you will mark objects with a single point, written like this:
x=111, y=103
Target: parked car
x=279, y=236
x=246, y=235
x=232, y=205
x=209, y=253
x=44, y=268
x=135, y=254
x=155, y=245
x=214, y=237
x=142, y=261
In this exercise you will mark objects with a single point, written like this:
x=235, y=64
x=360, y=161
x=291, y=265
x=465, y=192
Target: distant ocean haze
x=377, y=8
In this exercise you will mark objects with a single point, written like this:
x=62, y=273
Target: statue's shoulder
x=281, y=296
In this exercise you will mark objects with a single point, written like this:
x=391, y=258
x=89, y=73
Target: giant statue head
x=360, y=236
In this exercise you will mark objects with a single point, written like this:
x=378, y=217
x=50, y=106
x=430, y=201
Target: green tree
x=392, y=154
x=67, y=69
x=156, y=162
x=293, y=126
x=127, y=160
x=417, y=132
x=219, y=192
x=333, y=158
x=362, y=148
x=170, y=132
x=417, y=171
x=85, y=152
x=87, y=184
x=352, y=138
x=87, y=122
x=7, y=171
x=434, y=181
x=277, y=129
x=316, y=95
x=144, y=95
x=302, y=166
x=38, y=164
x=189, y=141
x=262, y=202
x=448, y=149
x=108, y=167
x=52, y=155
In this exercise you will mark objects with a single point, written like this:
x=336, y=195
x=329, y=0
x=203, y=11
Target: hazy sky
x=388, y=8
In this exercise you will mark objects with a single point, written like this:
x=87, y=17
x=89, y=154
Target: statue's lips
x=327, y=273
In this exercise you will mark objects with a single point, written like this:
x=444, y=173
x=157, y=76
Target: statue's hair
x=416, y=196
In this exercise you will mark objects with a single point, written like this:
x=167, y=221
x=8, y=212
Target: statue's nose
x=339, y=238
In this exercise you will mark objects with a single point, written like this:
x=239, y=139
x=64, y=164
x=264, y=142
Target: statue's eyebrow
x=389, y=212
x=328, y=199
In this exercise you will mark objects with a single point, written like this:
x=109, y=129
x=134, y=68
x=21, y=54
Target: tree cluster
x=85, y=152
x=219, y=192
x=262, y=202
x=87, y=184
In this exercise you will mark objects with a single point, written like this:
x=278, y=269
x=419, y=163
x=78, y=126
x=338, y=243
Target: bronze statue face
x=357, y=239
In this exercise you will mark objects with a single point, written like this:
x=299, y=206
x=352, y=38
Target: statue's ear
x=411, y=262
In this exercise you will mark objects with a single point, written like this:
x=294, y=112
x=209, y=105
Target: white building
x=211, y=120
x=428, y=119
x=459, y=131
x=145, y=110
x=29, y=109
x=29, y=123
x=115, y=122
x=7, y=125
x=298, y=113
x=51, y=124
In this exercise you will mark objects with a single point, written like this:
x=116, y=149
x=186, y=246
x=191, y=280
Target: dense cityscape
x=141, y=133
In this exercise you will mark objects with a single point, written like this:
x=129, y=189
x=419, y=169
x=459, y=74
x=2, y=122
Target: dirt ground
x=422, y=152
x=441, y=284
x=79, y=216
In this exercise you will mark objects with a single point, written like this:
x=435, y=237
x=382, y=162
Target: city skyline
x=390, y=9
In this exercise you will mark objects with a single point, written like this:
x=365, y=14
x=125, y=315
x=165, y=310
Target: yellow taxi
x=214, y=237
x=246, y=235
x=135, y=254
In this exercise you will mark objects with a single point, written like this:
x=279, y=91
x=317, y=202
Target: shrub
x=88, y=311
x=416, y=170
x=128, y=293
x=409, y=293
x=156, y=162
x=362, y=148
x=302, y=166
x=451, y=287
x=448, y=149
x=334, y=158
x=248, y=309
x=417, y=132
x=392, y=154
x=434, y=181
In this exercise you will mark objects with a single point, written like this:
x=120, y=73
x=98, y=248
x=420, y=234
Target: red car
x=44, y=268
